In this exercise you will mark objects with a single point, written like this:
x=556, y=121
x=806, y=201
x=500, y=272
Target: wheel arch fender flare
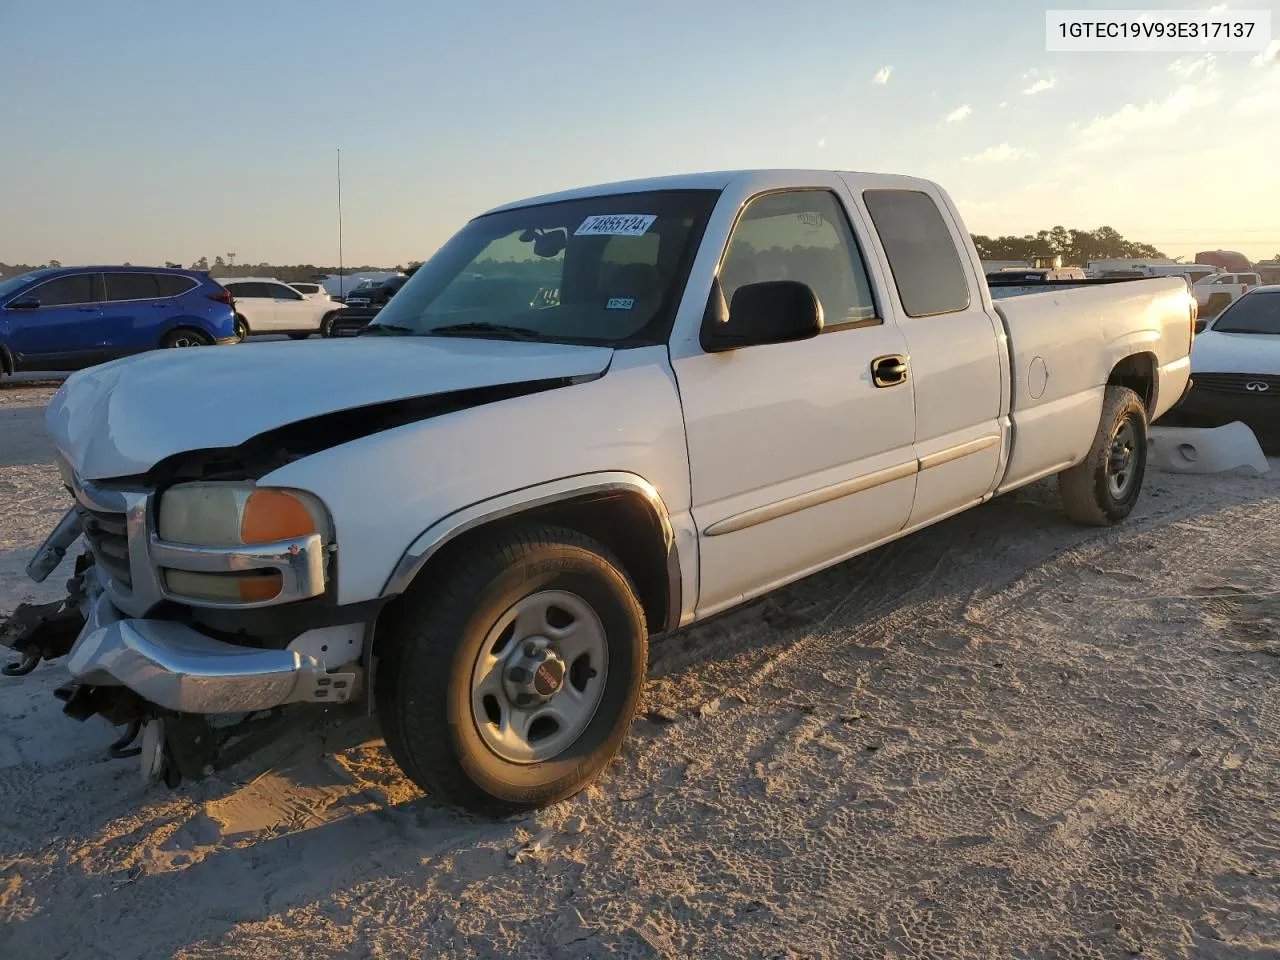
x=533, y=503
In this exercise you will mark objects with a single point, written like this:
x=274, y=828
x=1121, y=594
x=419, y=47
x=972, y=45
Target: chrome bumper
x=181, y=669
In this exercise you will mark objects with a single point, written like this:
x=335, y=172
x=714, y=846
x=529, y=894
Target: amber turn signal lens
x=257, y=589
x=271, y=515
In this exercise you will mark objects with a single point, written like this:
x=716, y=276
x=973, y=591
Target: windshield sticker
x=616, y=225
x=620, y=303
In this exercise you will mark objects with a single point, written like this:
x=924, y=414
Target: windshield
x=21, y=280
x=601, y=270
x=1252, y=313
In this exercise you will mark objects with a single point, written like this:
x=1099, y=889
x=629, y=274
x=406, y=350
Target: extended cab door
x=959, y=368
x=799, y=452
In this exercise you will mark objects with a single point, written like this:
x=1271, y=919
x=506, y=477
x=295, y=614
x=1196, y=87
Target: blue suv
x=67, y=318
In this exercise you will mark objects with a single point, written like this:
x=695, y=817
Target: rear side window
x=68, y=291
x=922, y=255
x=305, y=287
x=131, y=286
x=249, y=291
x=278, y=291
x=173, y=285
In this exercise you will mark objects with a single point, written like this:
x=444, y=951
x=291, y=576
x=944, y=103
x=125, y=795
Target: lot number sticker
x=616, y=225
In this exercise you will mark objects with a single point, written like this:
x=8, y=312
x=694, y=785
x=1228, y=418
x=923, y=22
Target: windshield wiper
x=481, y=327
x=390, y=328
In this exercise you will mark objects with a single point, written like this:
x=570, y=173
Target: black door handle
x=889, y=371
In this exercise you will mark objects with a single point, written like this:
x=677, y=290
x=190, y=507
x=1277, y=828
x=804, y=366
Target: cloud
x=1188, y=68
x=1040, y=86
x=1130, y=120
x=1003, y=104
x=959, y=113
x=882, y=76
x=1000, y=154
x=822, y=143
x=1269, y=55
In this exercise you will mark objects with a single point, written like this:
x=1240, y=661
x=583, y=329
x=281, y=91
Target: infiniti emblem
x=1257, y=386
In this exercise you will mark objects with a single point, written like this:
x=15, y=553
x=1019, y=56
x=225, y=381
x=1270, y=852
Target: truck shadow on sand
x=326, y=813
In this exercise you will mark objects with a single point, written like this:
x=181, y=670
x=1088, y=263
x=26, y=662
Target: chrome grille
x=108, y=537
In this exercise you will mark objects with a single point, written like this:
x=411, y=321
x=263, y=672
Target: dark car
x=363, y=306
x=67, y=318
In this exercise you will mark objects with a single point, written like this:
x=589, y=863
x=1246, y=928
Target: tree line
x=1076, y=247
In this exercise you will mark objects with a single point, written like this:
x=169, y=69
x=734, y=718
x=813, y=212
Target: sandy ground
x=1003, y=737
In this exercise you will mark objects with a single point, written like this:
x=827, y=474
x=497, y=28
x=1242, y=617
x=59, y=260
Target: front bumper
x=181, y=669
x=1204, y=408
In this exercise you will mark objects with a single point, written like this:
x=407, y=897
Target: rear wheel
x=1104, y=488
x=510, y=681
x=326, y=324
x=242, y=328
x=184, y=337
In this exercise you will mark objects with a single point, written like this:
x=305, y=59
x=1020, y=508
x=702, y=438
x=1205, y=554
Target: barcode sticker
x=616, y=225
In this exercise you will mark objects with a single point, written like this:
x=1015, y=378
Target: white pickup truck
x=589, y=418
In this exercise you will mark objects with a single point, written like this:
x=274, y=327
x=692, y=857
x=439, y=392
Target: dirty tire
x=432, y=642
x=1089, y=490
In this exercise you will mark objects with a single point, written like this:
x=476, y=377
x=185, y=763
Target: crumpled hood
x=1236, y=353
x=121, y=418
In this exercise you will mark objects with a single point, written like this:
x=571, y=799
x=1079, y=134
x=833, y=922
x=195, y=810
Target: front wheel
x=326, y=324
x=510, y=681
x=1104, y=488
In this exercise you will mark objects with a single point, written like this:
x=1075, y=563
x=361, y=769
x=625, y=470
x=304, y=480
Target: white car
x=478, y=513
x=1235, y=367
x=267, y=305
x=1218, y=291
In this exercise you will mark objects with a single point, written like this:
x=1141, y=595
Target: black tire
x=435, y=636
x=186, y=337
x=1104, y=488
x=326, y=324
x=242, y=328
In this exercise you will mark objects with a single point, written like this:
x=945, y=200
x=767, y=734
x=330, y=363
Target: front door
x=799, y=454
x=63, y=330
x=293, y=311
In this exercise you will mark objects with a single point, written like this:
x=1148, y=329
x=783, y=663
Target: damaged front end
x=197, y=684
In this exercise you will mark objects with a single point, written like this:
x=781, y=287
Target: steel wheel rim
x=1122, y=456
x=543, y=628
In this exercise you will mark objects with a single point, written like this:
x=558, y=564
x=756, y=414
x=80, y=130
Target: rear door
x=256, y=303
x=63, y=332
x=135, y=314
x=958, y=369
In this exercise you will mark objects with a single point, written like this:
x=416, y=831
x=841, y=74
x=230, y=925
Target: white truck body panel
x=771, y=462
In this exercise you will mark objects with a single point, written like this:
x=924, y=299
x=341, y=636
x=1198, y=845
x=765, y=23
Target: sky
x=143, y=131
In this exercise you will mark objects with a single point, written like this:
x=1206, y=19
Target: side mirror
x=776, y=311
x=24, y=303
